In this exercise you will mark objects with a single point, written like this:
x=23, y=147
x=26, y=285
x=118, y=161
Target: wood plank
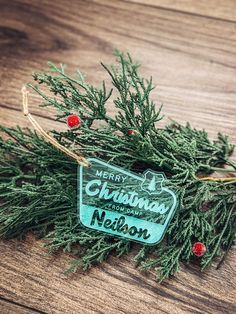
x=31, y=277
x=38, y=282
x=191, y=58
x=220, y=9
x=7, y=307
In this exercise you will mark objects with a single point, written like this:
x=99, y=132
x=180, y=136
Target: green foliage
x=38, y=182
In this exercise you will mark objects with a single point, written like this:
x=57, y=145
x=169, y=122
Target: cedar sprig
x=38, y=182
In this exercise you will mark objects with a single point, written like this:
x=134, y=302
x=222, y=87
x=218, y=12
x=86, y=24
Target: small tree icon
x=152, y=182
x=152, y=185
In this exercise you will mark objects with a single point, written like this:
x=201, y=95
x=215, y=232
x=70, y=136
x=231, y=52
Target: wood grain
x=192, y=59
x=7, y=307
x=220, y=9
x=189, y=49
x=38, y=282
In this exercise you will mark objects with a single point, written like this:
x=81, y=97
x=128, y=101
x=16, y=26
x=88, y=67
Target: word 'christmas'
x=131, y=198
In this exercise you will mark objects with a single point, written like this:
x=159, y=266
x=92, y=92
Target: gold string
x=81, y=160
x=226, y=179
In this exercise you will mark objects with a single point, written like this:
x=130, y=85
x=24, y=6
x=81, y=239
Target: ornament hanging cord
x=81, y=160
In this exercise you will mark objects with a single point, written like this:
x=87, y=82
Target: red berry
x=130, y=132
x=199, y=249
x=73, y=121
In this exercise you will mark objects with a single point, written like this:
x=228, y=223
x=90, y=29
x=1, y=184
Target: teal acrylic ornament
x=125, y=204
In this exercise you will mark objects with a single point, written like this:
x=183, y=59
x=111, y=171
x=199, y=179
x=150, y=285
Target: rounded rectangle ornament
x=119, y=202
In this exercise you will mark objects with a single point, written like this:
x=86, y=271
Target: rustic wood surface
x=190, y=49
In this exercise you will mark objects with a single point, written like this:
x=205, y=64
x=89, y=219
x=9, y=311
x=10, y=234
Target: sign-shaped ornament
x=125, y=204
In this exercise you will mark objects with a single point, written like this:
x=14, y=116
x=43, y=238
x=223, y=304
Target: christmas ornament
x=199, y=249
x=125, y=187
x=122, y=203
x=73, y=121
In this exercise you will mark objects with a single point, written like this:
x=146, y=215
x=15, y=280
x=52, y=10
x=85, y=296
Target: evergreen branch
x=38, y=183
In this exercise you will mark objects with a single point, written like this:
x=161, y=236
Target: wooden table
x=190, y=49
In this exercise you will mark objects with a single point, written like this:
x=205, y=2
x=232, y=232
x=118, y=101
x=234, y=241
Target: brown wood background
x=189, y=47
